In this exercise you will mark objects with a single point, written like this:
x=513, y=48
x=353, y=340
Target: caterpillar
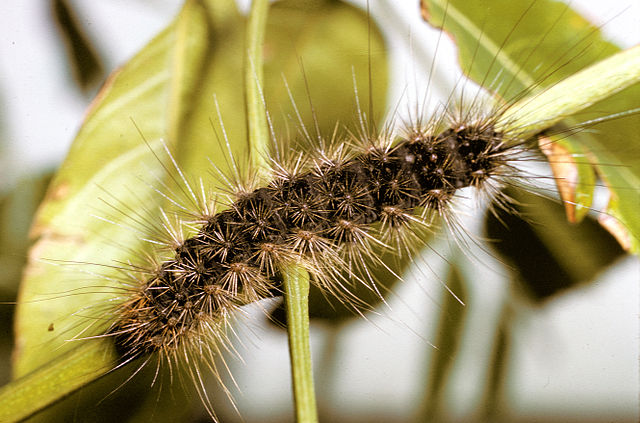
x=318, y=212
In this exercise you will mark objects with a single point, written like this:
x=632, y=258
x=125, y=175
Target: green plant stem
x=257, y=129
x=573, y=94
x=296, y=297
x=46, y=385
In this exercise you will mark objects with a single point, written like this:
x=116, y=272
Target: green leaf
x=162, y=90
x=524, y=61
x=324, y=41
x=35, y=391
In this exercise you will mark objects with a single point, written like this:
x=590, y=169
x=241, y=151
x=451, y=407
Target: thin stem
x=54, y=381
x=296, y=297
x=257, y=129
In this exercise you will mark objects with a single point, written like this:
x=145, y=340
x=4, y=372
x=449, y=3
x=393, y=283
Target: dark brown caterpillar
x=323, y=212
x=325, y=206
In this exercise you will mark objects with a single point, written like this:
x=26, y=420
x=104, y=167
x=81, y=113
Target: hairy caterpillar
x=407, y=189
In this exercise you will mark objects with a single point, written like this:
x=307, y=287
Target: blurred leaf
x=495, y=390
x=85, y=63
x=328, y=42
x=546, y=253
x=17, y=207
x=518, y=61
x=166, y=95
x=447, y=341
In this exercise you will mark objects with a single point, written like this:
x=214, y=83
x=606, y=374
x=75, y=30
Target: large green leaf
x=517, y=48
x=167, y=95
x=159, y=93
x=331, y=43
